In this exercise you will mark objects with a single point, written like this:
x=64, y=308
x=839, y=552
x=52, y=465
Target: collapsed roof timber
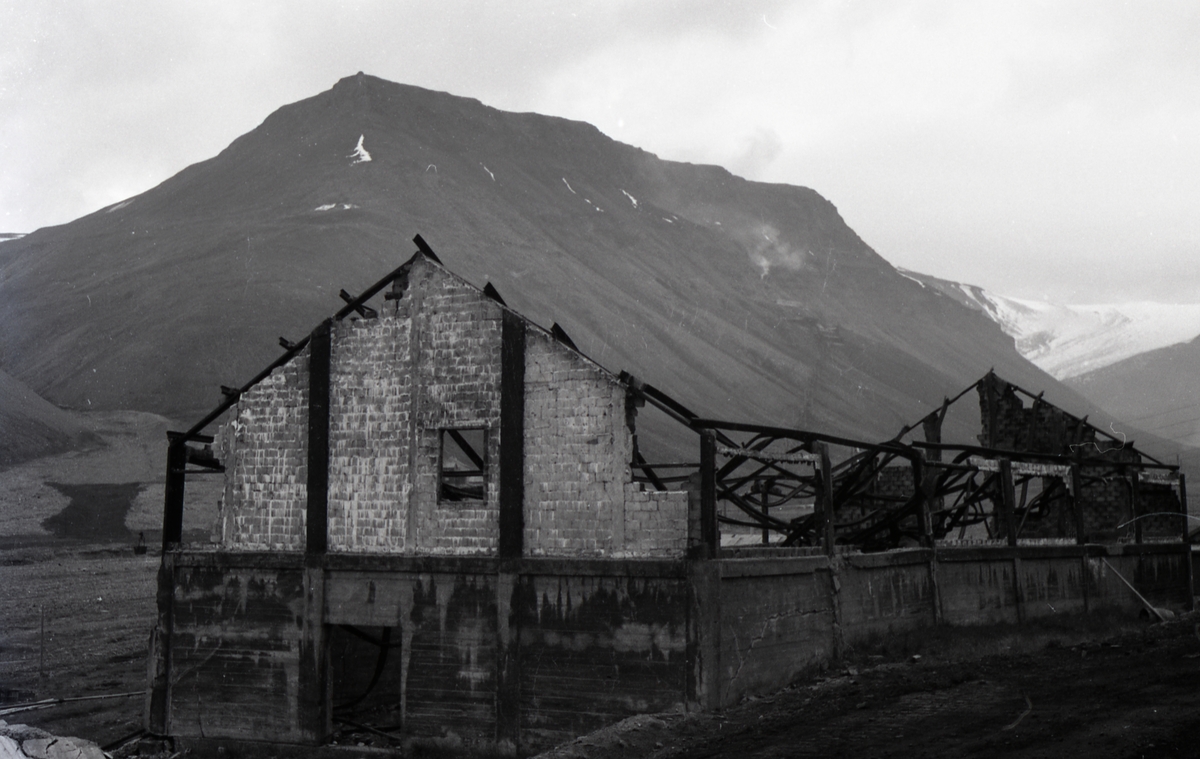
x=1075, y=481
x=437, y=523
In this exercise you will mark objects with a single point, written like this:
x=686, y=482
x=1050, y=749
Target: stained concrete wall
x=519, y=656
x=781, y=616
x=523, y=654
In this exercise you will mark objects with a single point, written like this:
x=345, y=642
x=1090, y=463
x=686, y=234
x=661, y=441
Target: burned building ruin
x=437, y=525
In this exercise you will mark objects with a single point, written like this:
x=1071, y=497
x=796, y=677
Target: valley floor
x=1067, y=694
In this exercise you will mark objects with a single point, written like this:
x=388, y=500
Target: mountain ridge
x=1071, y=340
x=745, y=300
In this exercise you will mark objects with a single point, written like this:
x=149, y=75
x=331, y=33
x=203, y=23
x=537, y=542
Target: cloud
x=979, y=141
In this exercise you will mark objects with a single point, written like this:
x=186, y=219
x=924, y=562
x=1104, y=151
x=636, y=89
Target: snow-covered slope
x=1067, y=341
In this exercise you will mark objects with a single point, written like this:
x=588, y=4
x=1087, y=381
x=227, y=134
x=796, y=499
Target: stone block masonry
x=431, y=362
x=580, y=498
x=265, y=449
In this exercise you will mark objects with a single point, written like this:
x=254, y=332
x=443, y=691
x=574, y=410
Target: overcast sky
x=1039, y=149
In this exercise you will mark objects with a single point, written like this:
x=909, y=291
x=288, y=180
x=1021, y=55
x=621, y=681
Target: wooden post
x=1008, y=501
x=1183, y=509
x=1187, y=542
x=1077, y=500
x=512, y=436
x=766, y=532
x=922, y=488
x=1135, y=504
x=174, y=488
x=825, y=499
x=314, y=712
x=158, y=695
x=317, y=516
x=709, y=529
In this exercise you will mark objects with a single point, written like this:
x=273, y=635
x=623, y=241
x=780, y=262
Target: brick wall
x=432, y=361
x=369, y=429
x=456, y=358
x=579, y=499
x=265, y=450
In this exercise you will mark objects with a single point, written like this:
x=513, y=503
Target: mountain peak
x=745, y=300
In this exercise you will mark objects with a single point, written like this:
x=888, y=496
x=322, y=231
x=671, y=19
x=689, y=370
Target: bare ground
x=1089, y=687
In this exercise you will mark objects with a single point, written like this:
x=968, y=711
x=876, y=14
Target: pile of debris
x=25, y=742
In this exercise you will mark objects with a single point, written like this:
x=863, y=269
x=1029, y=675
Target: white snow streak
x=360, y=154
x=489, y=171
x=631, y=198
x=331, y=206
x=568, y=184
x=118, y=206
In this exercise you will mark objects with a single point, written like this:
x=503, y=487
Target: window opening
x=463, y=471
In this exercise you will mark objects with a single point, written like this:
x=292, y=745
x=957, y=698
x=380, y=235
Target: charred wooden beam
x=512, y=436
x=365, y=312
x=426, y=250
x=561, y=335
x=710, y=533
x=493, y=293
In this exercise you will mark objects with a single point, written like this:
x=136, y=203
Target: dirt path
x=1137, y=695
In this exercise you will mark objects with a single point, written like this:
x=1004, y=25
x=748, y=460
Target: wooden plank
x=173, y=497
x=512, y=436
x=710, y=534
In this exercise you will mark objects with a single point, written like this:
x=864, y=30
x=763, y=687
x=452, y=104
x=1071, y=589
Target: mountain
x=1158, y=391
x=1068, y=341
x=32, y=427
x=744, y=300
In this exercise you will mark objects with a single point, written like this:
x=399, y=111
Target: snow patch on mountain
x=1069, y=340
x=631, y=199
x=360, y=154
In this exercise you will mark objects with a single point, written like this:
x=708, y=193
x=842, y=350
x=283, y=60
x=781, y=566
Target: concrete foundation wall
x=524, y=654
x=520, y=655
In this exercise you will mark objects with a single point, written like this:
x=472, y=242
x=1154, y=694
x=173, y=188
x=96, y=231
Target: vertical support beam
x=993, y=410
x=704, y=672
x=1008, y=502
x=158, y=697
x=1008, y=499
x=766, y=492
x=927, y=482
x=174, y=487
x=508, y=660
x=512, y=436
x=314, y=713
x=1187, y=543
x=1077, y=500
x=923, y=487
x=825, y=500
x=317, y=517
x=1135, y=504
x=1185, y=529
x=709, y=529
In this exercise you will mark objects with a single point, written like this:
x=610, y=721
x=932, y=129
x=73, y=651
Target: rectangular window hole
x=463, y=465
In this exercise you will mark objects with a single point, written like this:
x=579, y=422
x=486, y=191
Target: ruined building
x=437, y=525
